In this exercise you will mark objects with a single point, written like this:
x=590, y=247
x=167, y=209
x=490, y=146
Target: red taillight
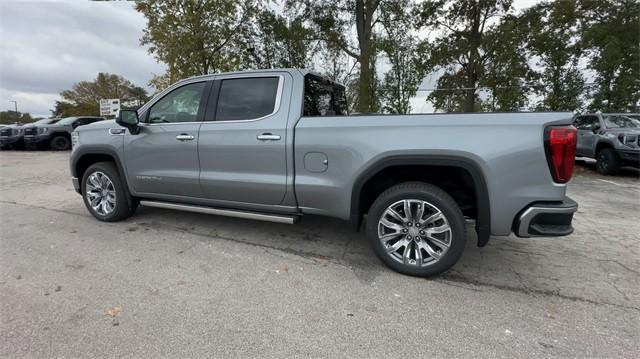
x=560, y=145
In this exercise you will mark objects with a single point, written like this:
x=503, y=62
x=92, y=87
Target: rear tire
x=60, y=143
x=607, y=162
x=108, y=199
x=429, y=223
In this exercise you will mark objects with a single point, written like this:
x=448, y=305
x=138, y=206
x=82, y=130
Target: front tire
x=60, y=143
x=416, y=228
x=105, y=194
x=607, y=162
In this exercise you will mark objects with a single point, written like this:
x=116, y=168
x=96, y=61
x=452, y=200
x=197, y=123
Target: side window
x=180, y=105
x=87, y=120
x=247, y=98
x=79, y=122
x=586, y=122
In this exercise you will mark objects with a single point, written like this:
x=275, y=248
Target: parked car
x=610, y=138
x=31, y=130
x=278, y=144
x=57, y=135
x=12, y=137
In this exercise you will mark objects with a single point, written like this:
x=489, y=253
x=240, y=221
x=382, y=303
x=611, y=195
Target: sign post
x=110, y=107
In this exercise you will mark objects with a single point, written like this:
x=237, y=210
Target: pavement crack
x=620, y=264
x=41, y=207
x=448, y=277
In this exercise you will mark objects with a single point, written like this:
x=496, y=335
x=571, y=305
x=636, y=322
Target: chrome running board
x=278, y=218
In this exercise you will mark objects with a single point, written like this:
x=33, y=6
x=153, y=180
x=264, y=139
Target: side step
x=278, y=218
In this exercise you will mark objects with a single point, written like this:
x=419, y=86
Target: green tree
x=553, y=40
x=463, y=50
x=332, y=21
x=611, y=36
x=84, y=97
x=276, y=41
x=10, y=117
x=397, y=43
x=194, y=37
x=506, y=74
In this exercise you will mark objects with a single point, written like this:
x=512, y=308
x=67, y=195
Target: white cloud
x=46, y=47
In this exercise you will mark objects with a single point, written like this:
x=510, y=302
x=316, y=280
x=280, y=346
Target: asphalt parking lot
x=169, y=284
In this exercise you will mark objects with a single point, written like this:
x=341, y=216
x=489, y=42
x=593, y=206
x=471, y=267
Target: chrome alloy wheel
x=101, y=193
x=414, y=232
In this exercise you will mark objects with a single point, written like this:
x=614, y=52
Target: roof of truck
x=304, y=72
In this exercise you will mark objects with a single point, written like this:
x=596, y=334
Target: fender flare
x=601, y=142
x=483, y=220
x=87, y=150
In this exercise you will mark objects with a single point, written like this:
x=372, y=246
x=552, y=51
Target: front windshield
x=46, y=121
x=67, y=120
x=621, y=122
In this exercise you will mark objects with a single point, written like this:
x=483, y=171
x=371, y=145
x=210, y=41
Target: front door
x=163, y=157
x=242, y=140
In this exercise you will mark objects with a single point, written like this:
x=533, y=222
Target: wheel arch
x=60, y=133
x=602, y=145
x=481, y=193
x=82, y=158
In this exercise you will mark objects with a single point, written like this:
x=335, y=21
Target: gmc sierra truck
x=613, y=139
x=275, y=145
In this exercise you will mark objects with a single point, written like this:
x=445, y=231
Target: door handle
x=268, y=137
x=185, y=137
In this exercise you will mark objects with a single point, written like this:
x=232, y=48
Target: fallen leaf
x=283, y=268
x=112, y=312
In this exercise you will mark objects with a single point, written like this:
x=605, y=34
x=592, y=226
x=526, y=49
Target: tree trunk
x=364, y=83
x=474, y=59
x=364, y=24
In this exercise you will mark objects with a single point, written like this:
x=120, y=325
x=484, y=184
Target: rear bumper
x=546, y=219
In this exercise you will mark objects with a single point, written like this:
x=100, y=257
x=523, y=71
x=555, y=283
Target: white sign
x=110, y=107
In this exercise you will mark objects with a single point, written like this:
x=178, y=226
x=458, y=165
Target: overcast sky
x=47, y=46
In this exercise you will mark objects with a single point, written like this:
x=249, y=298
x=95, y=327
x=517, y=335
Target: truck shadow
x=537, y=267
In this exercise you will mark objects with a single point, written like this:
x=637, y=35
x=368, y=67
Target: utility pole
x=16, y=105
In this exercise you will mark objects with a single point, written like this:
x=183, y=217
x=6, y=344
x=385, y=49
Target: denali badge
x=149, y=178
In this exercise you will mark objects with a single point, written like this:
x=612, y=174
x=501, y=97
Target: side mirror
x=129, y=119
x=595, y=127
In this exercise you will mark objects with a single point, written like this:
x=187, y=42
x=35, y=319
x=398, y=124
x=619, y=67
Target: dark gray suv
x=610, y=138
x=56, y=135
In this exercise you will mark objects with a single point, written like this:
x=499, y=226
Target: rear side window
x=585, y=122
x=247, y=98
x=323, y=97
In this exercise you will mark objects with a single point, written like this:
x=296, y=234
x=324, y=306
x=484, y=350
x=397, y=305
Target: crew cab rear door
x=242, y=147
x=162, y=158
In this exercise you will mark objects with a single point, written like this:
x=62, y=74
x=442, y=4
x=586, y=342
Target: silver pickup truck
x=275, y=145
